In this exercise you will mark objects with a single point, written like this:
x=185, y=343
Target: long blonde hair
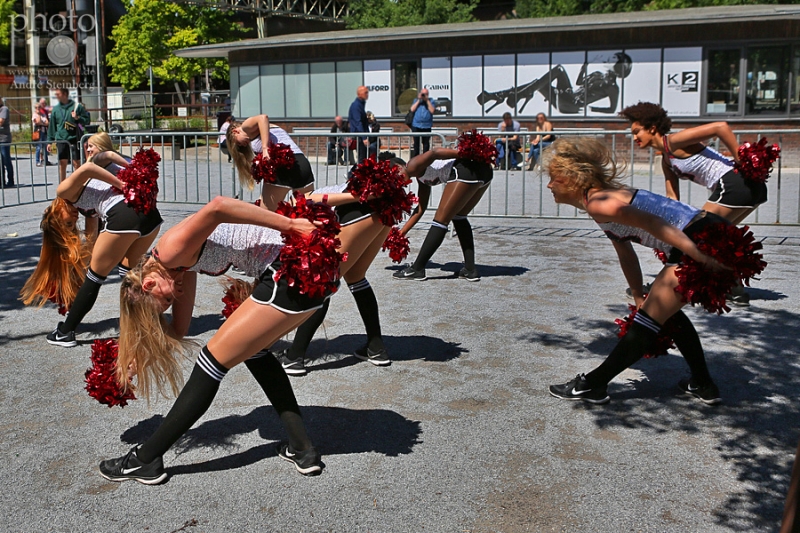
x=102, y=141
x=242, y=157
x=588, y=162
x=62, y=262
x=146, y=341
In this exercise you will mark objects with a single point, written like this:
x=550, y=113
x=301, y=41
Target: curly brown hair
x=648, y=115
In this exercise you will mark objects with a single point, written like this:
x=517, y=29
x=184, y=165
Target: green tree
x=554, y=8
x=6, y=10
x=152, y=29
x=391, y=13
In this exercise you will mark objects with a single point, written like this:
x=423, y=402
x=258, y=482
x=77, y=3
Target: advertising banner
x=532, y=79
x=564, y=90
x=378, y=79
x=498, y=81
x=681, y=81
x=644, y=82
x=436, y=78
x=467, y=85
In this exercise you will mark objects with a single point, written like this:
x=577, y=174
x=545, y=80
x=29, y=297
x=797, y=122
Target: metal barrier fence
x=194, y=170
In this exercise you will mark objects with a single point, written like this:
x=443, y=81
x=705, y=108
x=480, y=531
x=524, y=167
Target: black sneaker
x=578, y=389
x=306, y=462
x=130, y=467
x=290, y=366
x=410, y=273
x=56, y=338
x=708, y=394
x=379, y=358
x=469, y=275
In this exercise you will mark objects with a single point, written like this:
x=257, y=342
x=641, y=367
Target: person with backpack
x=66, y=122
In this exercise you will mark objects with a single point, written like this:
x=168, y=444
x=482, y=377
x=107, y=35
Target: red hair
x=62, y=263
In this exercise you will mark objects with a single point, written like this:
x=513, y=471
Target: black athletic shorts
x=691, y=230
x=472, y=172
x=733, y=190
x=124, y=219
x=70, y=151
x=282, y=297
x=354, y=212
x=297, y=177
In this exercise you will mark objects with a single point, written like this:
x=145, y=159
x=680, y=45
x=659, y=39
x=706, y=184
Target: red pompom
x=476, y=147
x=311, y=264
x=663, y=340
x=755, y=160
x=55, y=297
x=266, y=170
x=732, y=246
x=101, y=380
x=383, y=182
x=140, y=178
x=397, y=243
x=236, y=292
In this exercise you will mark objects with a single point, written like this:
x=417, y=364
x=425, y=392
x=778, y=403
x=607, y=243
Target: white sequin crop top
x=249, y=248
x=97, y=198
x=705, y=168
x=276, y=135
x=440, y=171
x=676, y=214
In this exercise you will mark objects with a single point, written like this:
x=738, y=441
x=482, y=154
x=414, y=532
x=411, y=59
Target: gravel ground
x=459, y=434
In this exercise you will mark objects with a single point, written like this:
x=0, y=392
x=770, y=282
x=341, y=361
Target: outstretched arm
x=334, y=199
x=71, y=188
x=183, y=305
x=423, y=196
x=631, y=268
x=103, y=159
x=258, y=126
x=703, y=133
x=671, y=180
x=419, y=164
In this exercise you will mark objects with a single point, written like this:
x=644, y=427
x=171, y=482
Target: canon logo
x=376, y=88
x=437, y=87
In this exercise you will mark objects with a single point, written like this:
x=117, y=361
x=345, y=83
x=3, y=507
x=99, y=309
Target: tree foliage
x=394, y=13
x=555, y=8
x=152, y=29
x=6, y=10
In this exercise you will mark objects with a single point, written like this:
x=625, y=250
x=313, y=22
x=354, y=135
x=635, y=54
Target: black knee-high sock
x=688, y=342
x=368, y=309
x=305, y=332
x=193, y=401
x=84, y=301
x=431, y=243
x=122, y=270
x=275, y=384
x=466, y=240
x=632, y=347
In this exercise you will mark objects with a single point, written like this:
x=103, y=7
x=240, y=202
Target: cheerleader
x=583, y=174
x=362, y=236
x=733, y=197
x=125, y=236
x=222, y=234
x=465, y=182
x=254, y=136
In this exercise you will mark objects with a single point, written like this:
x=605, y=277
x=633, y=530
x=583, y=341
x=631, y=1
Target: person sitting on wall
x=338, y=146
x=507, y=147
x=540, y=142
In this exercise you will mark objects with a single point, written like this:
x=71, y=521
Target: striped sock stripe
x=644, y=320
x=359, y=285
x=210, y=366
x=123, y=270
x=94, y=276
x=438, y=225
x=460, y=217
x=262, y=353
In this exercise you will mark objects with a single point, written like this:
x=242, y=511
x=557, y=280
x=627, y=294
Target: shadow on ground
x=339, y=431
x=756, y=424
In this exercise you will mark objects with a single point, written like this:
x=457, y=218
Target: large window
x=323, y=90
x=767, y=69
x=794, y=104
x=722, y=94
x=405, y=86
x=298, y=99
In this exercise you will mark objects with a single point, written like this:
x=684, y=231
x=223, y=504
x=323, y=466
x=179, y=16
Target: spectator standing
x=338, y=146
x=357, y=120
x=540, y=142
x=41, y=120
x=5, y=145
x=507, y=147
x=373, y=126
x=66, y=121
x=423, y=108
